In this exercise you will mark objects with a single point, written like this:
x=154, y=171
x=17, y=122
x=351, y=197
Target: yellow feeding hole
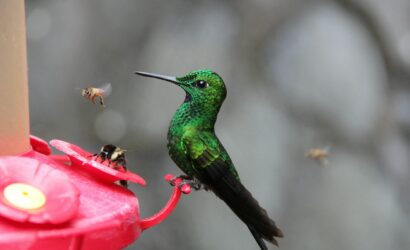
x=24, y=196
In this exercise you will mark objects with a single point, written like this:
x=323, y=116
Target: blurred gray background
x=300, y=74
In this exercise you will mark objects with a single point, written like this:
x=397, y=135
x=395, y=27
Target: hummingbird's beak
x=172, y=79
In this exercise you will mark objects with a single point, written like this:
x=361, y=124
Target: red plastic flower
x=31, y=191
x=84, y=159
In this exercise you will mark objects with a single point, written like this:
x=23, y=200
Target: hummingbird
x=197, y=151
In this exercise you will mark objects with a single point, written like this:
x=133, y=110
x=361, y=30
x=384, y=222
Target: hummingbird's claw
x=185, y=180
x=182, y=177
x=195, y=184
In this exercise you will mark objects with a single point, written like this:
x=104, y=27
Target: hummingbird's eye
x=201, y=84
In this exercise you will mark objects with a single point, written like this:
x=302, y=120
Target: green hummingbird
x=195, y=148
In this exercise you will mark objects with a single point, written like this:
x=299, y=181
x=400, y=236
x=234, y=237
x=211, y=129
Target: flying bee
x=91, y=93
x=114, y=155
x=319, y=154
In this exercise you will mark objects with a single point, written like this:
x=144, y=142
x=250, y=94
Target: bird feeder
x=47, y=201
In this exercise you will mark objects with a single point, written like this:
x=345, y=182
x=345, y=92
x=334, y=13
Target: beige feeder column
x=14, y=116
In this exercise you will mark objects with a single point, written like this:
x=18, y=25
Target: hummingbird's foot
x=188, y=180
x=194, y=183
x=182, y=177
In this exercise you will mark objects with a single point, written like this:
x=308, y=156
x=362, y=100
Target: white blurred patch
x=38, y=24
x=110, y=126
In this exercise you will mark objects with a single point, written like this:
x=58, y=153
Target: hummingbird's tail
x=259, y=239
x=227, y=187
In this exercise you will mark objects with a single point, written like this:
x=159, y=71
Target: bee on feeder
x=92, y=93
x=320, y=155
x=114, y=155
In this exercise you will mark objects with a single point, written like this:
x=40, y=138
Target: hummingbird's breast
x=187, y=117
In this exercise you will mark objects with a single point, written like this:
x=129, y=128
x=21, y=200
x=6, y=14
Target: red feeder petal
x=39, y=145
x=83, y=159
x=61, y=197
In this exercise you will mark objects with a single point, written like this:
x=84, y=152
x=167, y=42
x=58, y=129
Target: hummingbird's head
x=201, y=86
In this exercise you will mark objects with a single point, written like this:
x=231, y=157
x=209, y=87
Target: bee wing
x=106, y=88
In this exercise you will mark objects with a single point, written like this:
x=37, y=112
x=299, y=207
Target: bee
x=114, y=155
x=91, y=93
x=319, y=154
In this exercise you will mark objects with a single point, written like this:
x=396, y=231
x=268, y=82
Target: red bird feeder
x=70, y=201
x=51, y=201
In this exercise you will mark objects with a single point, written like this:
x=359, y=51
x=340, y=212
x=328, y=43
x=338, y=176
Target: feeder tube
x=14, y=116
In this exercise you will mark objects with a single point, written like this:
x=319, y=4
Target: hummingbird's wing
x=205, y=150
x=215, y=169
